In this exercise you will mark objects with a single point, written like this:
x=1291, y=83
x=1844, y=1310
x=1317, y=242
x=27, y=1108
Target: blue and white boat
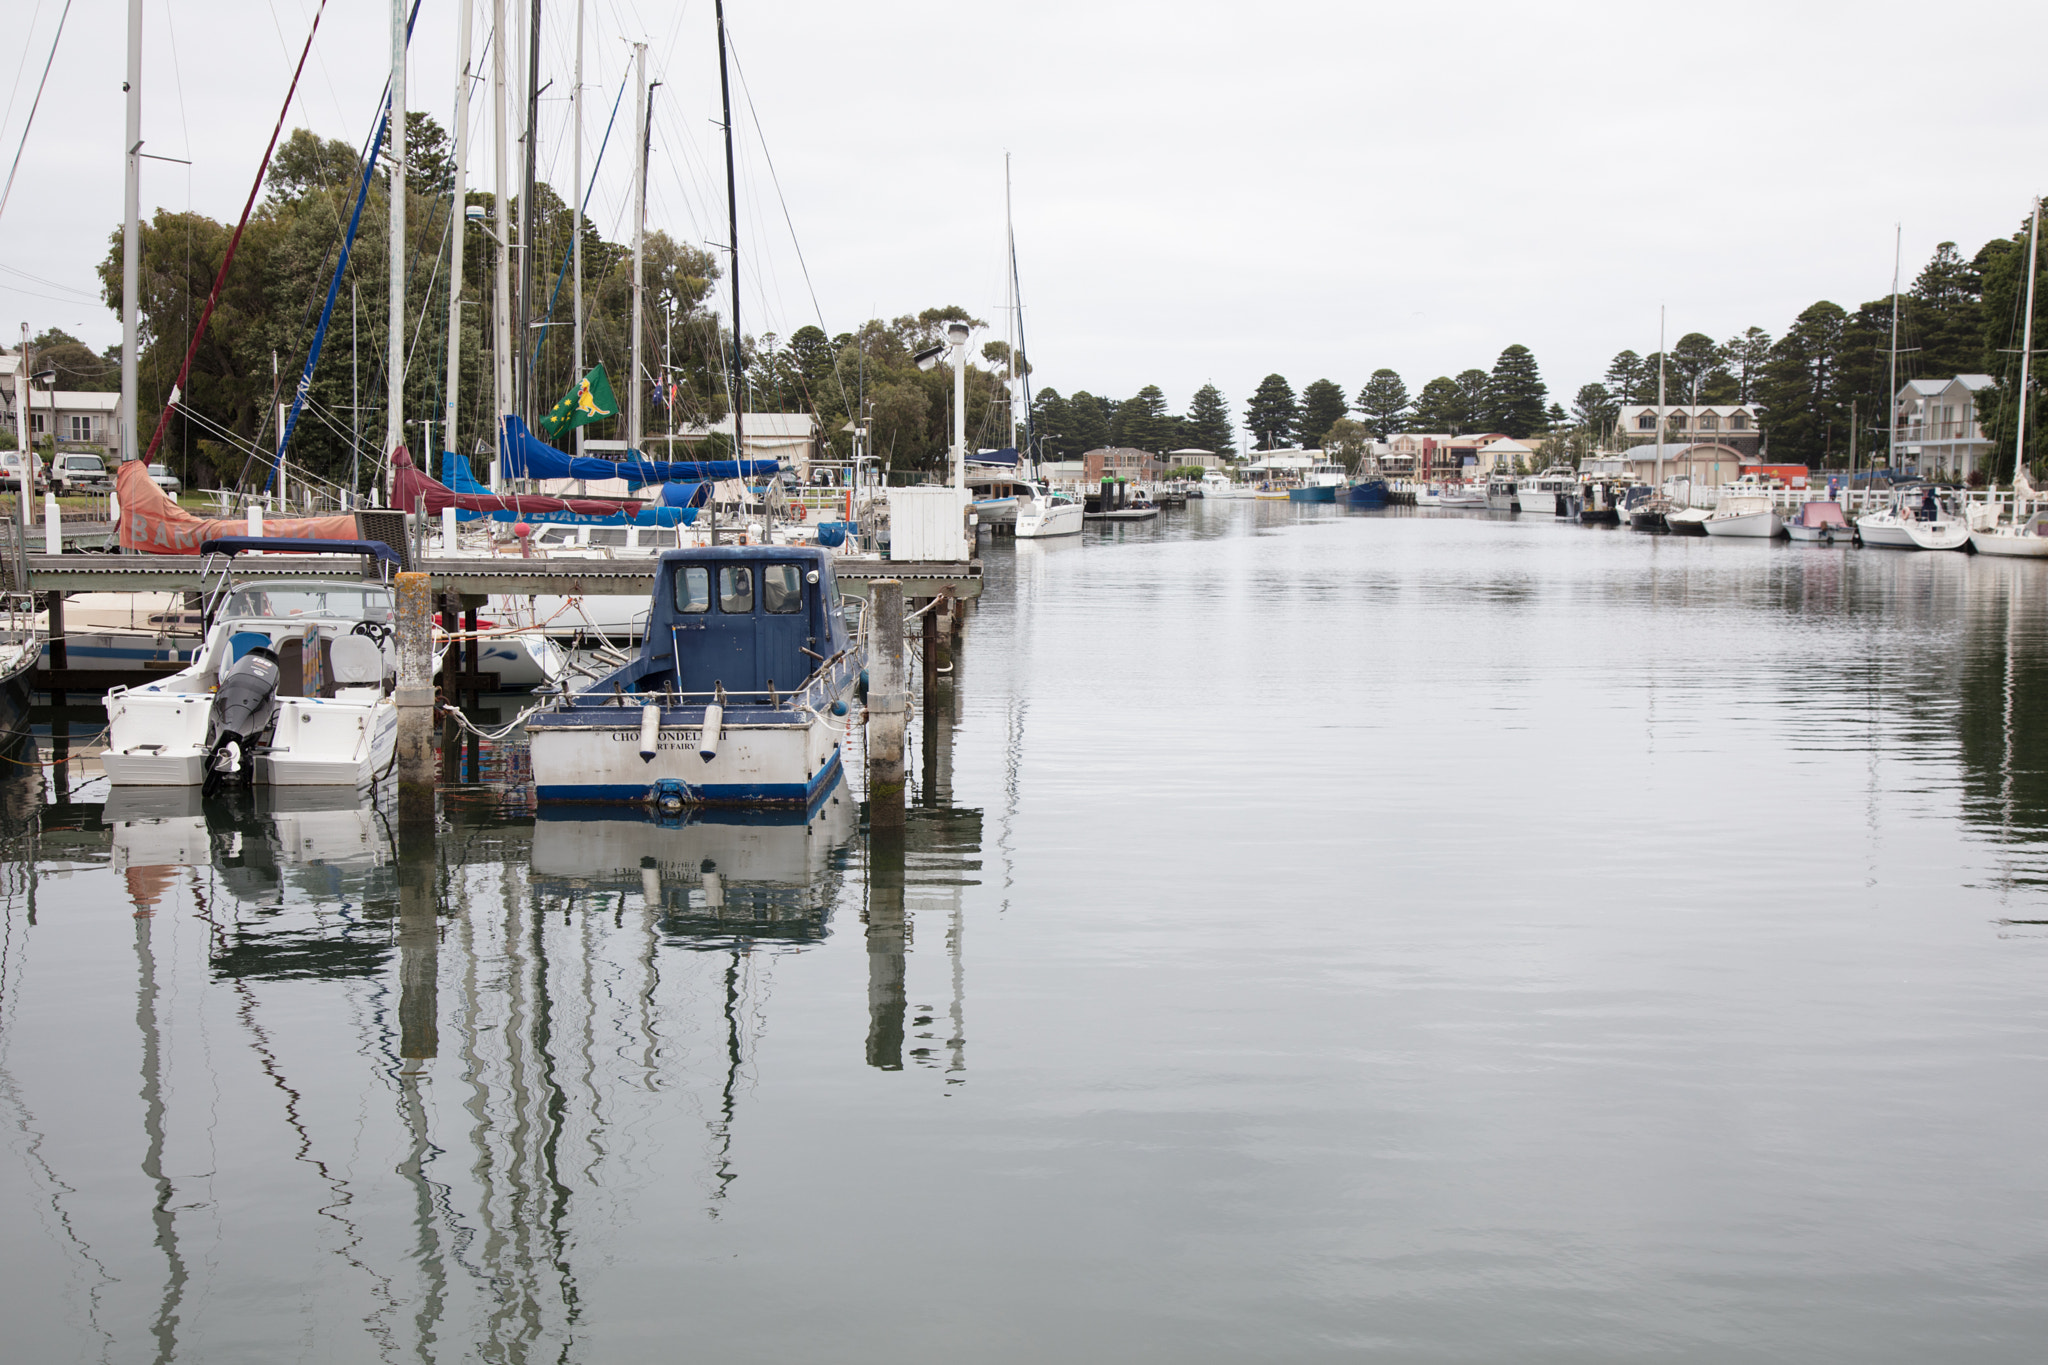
x=738, y=697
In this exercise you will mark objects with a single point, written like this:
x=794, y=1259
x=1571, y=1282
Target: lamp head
x=928, y=357
x=46, y=378
x=476, y=213
x=957, y=333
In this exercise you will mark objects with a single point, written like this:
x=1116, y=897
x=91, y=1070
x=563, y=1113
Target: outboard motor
x=243, y=713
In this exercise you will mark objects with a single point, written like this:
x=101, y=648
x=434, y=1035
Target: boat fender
x=839, y=707
x=863, y=688
x=714, y=727
x=650, y=731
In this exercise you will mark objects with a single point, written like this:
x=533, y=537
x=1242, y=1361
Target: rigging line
x=22, y=65
x=384, y=121
x=199, y=332
x=746, y=91
x=48, y=62
x=555, y=294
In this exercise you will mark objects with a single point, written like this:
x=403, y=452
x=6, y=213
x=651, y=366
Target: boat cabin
x=750, y=622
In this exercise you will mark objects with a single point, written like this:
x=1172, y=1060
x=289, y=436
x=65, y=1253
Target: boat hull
x=1820, y=535
x=157, y=738
x=2009, y=544
x=1370, y=493
x=1749, y=525
x=598, y=760
x=1892, y=533
x=1042, y=521
x=1323, y=493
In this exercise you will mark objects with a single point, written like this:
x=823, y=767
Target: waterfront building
x=1120, y=462
x=1709, y=464
x=1730, y=424
x=1936, y=427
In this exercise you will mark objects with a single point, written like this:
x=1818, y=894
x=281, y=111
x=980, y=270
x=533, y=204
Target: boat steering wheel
x=376, y=632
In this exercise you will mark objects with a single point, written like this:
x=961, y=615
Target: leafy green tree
x=1208, y=422
x=2002, y=268
x=1384, y=403
x=1803, y=420
x=1272, y=414
x=1440, y=407
x=1625, y=380
x=1347, y=442
x=1515, y=393
x=78, y=369
x=1322, y=403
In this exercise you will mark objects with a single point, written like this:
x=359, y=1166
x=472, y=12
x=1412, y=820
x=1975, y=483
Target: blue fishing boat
x=1368, y=492
x=738, y=696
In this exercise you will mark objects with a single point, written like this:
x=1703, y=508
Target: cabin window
x=782, y=589
x=693, y=589
x=608, y=537
x=736, y=590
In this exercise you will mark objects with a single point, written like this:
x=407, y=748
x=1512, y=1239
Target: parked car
x=75, y=473
x=10, y=470
x=164, y=479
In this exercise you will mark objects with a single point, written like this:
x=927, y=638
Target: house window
x=38, y=423
x=1710, y=422
x=1739, y=422
x=1647, y=422
x=1676, y=421
x=81, y=428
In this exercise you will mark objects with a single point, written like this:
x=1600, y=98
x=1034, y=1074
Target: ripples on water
x=1317, y=936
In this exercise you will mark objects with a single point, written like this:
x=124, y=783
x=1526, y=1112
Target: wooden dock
x=469, y=577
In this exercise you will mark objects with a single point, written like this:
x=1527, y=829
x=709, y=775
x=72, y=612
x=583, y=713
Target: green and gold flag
x=590, y=401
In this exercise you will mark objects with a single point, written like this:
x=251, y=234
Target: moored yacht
x=1824, y=522
x=1745, y=515
x=1902, y=526
x=1044, y=513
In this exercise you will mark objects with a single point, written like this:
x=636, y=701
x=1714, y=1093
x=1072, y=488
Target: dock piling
x=888, y=703
x=415, y=700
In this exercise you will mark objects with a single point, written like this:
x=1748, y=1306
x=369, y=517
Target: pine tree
x=1594, y=409
x=1475, y=409
x=1515, y=394
x=1087, y=421
x=1384, y=404
x=1694, y=361
x=1440, y=407
x=1208, y=422
x=1052, y=426
x=1624, y=379
x=1142, y=422
x=1746, y=356
x=1272, y=414
x=1803, y=416
x=1321, y=404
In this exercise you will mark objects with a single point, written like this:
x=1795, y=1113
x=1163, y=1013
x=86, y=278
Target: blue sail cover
x=1006, y=457
x=679, y=502
x=528, y=457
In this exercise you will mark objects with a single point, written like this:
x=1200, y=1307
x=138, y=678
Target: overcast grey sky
x=1203, y=191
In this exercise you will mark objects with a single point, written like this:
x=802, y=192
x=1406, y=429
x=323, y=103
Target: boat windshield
x=347, y=601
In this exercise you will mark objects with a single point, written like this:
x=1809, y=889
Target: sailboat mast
x=576, y=210
x=2019, y=436
x=1660, y=400
x=527, y=263
x=401, y=166
x=458, y=226
x=1891, y=396
x=501, y=300
x=732, y=221
x=1010, y=251
x=636, y=397
x=131, y=242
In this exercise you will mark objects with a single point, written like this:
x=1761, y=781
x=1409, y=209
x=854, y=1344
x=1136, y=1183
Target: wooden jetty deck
x=469, y=577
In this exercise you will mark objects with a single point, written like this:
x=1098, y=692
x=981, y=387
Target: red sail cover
x=153, y=524
x=408, y=483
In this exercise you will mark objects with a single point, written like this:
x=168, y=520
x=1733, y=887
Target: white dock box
x=930, y=524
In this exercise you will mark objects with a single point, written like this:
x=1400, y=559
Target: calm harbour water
x=1319, y=936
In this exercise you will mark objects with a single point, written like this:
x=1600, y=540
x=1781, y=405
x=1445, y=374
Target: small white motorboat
x=1462, y=496
x=1042, y=514
x=1748, y=515
x=2028, y=540
x=1901, y=526
x=1822, y=522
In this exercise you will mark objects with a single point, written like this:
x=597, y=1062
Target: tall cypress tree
x=1384, y=403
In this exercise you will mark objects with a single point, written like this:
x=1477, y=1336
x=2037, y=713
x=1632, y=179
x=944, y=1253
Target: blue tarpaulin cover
x=528, y=457
x=680, y=502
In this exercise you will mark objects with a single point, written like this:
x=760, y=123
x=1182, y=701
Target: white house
x=1936, y=425
x=1502, y=455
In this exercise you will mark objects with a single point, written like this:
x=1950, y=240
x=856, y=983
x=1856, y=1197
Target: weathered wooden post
x=419, y=954
x=931, y=641
x=888, y=703
x=415, y=700
x=886, y=924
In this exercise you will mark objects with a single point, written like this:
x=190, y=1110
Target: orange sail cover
x=153, y=524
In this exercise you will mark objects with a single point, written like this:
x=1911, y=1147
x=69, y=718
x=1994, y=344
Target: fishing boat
x=1369, y=489
x=1824, y=522
x=1503, y=493
x=1600, y=503
x=1045, y=514
x=737, y=697
x=1461, y=495
x=1217, y=484
x=1319, y=483
x=1539, y=493
x=1749, y=515
x=291, y=688
x=1903, y=526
